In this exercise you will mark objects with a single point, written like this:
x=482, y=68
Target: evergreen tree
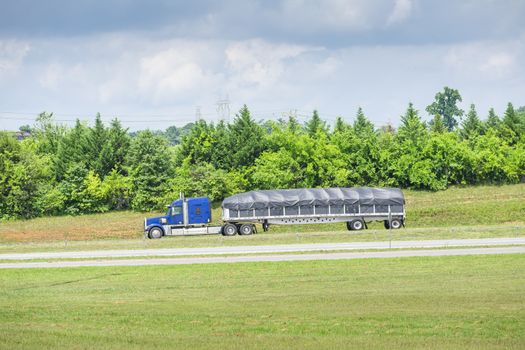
x=436, y=125
x=445, y=104
x=412, y=128
x=511, y=124
x=96, y=142
x=340, y=125
x=115, y=148
x=247, y=139
x=72, y=149
x=149, y=166
x=493, y=120
x=315, y=125
x=293, y=124
x=361, y=124
x=471, y=126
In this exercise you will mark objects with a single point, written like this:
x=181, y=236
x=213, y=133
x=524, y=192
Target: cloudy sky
x=152, y=63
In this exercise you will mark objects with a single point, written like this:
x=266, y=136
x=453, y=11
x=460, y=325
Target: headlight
x=163, y=221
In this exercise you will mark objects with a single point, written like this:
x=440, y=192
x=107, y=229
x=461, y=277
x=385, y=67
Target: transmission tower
x=223, y=109
x=198, y=114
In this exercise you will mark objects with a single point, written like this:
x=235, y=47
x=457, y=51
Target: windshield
x=176, y=210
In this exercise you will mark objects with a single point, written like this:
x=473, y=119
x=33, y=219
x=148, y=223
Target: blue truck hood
x=154, y=221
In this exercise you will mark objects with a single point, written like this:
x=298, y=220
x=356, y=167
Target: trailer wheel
x=155, y=233
x=395, y=224
x=229, y=230
x=387, y=224
x=357, y=224
x=349, y=225
x=246, y=229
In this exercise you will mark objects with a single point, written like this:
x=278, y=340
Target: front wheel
x=155, y=233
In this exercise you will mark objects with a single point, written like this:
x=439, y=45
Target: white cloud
x=12, y=54
x=493, y=60
x=259, y=62
x=402, y=10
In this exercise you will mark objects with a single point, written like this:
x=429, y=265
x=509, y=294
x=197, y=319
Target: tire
x=349, y=225
x=155, y=233
x=357, y=225
x=246, y=229
x=395, y=224
x=387, y=224
x=229, y=230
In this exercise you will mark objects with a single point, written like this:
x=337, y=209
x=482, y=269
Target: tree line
x=90, y=169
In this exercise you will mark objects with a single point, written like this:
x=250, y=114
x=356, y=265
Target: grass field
x=468, y=302
x=458, y=212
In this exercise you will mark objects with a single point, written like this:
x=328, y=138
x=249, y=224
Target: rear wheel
x=357, y=224
x=246, y=229
x=387, y=224
x=155, y=233
x=229, y=230
x=395, y=224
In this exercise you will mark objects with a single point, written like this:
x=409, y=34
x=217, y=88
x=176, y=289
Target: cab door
x=176, y=217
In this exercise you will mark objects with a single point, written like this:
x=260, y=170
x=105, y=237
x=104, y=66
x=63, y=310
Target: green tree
x=472, y=125
x=340, y=125
x=118, y=190
x=115, y=149
x=445, y=104
x=47, y=133
x=150, y=167
x=247, y=139
x=412, y=128
x=72, y=149
x=511, y=125
x=436, y=125
x=95, y=142
x=315, y=125
x=361, y=124
x=493, y=120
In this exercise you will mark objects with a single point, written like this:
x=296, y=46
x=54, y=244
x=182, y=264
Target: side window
x=176, y=210
x=198, y=211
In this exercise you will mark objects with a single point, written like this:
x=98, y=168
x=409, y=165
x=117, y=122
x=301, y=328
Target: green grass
x=480, y=207
x=467, y=302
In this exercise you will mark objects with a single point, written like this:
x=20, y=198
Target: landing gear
x=265, y=226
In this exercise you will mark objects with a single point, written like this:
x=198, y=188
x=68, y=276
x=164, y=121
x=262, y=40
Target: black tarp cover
x=314, y=196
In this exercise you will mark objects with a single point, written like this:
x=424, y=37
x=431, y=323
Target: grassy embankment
x=458, y=212
x=470, y=302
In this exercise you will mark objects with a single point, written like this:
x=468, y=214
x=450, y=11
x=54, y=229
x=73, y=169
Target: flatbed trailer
x=241, y=212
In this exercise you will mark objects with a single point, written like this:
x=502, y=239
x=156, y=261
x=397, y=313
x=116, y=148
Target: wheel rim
x=155, y=233
x=230, y=230
x=395, y=224
x=358, y=225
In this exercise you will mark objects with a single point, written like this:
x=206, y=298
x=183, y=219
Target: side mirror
x=163, y=221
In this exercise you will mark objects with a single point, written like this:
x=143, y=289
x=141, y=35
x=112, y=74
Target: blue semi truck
x=241, y=212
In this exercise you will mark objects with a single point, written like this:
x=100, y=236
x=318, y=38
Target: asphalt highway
x=264, y=249
x=267, y=258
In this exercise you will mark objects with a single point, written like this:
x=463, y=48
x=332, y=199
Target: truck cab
x=183, y=213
